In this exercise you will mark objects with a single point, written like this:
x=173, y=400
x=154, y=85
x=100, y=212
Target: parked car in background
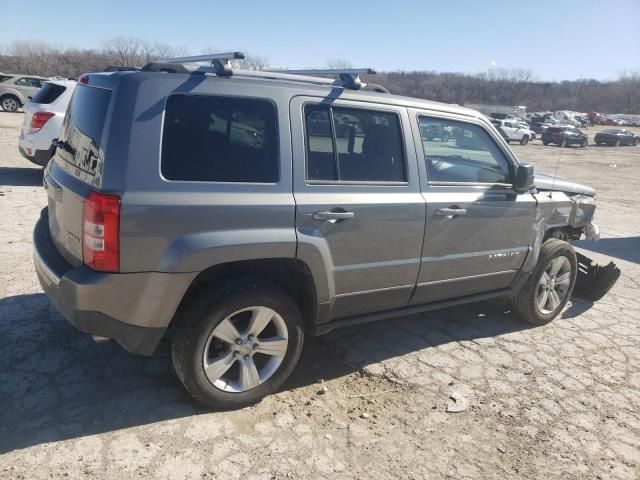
x=512, y=131
x=17, y=90
x=526, y=126
x=43, y=117
x=541, y=127
x=616, y=137
x=431, y=132
x=596, y=118
x=566, y=117
x=502, y=116
x=565, y=136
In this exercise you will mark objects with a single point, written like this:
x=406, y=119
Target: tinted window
x=219, y=139
x=4, y=78
x=82, y=127
x=472, y=155
x=29, y=82
x=349, y=144
x=49, y=93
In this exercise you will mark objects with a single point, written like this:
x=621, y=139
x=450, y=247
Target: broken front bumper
x=593, y=280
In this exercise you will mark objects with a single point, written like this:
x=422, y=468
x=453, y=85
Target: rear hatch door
x=76, y=168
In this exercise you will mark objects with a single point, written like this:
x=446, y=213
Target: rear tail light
x=39, y=119
x=101, y=232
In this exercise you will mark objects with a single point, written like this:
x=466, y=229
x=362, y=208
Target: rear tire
x=10, y=103
x=524, y=140
x=198, y=347
x=636, y=142
x=545, y=142
x=530, y=304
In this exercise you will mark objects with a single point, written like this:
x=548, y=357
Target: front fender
x=558, y=210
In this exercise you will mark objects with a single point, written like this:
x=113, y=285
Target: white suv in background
x=512, y=131
x=43, y=117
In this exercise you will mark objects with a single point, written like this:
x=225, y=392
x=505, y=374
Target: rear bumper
x=39, y=157
x=134, y=309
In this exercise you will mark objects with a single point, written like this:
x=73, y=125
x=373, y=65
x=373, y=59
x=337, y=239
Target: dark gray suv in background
x=242, y=210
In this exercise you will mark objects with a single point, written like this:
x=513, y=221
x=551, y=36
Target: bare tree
x=337, y=63
x=253, y=62
x=497, y=86
x=127, y=51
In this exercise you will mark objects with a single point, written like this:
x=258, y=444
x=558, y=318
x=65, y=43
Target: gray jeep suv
x=242, y=210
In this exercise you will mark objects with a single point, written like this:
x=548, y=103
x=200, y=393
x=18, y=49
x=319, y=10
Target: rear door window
x=48, y=94
x=351, y=144
x=4, y=78
x=29, y=82
x=220, y=139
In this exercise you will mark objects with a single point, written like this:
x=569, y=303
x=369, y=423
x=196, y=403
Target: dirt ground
x=559, y=401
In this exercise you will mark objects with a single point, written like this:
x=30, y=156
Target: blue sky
x=558, y=40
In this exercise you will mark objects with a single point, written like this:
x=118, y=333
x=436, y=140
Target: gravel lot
x=560, y=401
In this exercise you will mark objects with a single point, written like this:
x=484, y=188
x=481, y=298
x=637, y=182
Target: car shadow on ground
x=58, y=384
x=624, y=248
x=21, y=176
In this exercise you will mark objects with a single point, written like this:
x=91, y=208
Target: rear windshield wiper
x=64, y=146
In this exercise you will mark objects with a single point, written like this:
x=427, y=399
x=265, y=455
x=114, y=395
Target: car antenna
x=573, y=107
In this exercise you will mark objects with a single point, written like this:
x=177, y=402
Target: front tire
x=583, y=144
x=563, y=144
x=550, y=285
x=617, y=144
x=10, y=103
x=524, y=140
x=237, y=345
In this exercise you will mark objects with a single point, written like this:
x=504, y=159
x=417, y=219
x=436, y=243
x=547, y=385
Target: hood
x=545, y=182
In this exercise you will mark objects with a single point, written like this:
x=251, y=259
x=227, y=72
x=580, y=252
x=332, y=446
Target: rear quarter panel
x=185, y=226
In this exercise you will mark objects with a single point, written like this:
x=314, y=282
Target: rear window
x=219, y=139
x=49, y=93
x=4, y=78
x=82, y=128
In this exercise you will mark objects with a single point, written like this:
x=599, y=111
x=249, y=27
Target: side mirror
x=524, y=178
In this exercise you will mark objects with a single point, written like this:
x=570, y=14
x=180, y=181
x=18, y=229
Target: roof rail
x=220, y=62
x=350, y=76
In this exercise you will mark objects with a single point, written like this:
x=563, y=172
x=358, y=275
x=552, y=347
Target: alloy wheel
x=245, y=349
x=9, y=104
x=553, y=285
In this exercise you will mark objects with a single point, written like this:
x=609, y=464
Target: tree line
x=494, y=87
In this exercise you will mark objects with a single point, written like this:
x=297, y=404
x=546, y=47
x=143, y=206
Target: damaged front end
x=567, y=214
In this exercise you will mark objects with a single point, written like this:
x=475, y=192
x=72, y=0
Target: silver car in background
x=16, y=90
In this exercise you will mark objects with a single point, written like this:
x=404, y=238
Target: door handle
x=332, y=216
x=451, y=212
